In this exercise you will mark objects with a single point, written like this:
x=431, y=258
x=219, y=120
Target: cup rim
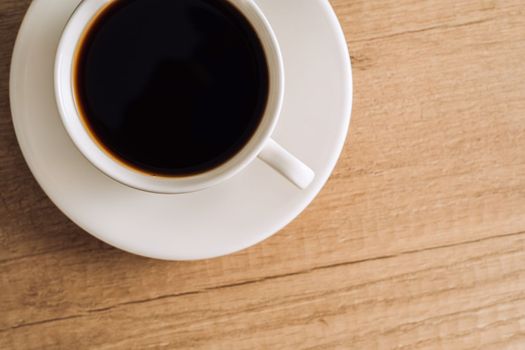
x=89, y=147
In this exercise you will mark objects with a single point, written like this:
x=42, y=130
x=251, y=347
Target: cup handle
x=286, y=164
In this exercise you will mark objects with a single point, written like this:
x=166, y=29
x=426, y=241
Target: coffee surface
x=171, y=87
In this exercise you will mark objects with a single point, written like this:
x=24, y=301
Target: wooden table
x=417, y=241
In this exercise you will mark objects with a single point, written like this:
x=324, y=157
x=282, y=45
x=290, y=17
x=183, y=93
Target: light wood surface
x=417, y=241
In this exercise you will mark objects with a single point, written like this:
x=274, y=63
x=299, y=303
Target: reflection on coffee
x=171, y=87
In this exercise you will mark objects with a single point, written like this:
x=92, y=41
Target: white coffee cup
x=260, y=145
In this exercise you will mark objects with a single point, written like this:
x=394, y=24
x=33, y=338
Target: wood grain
x=417, y=241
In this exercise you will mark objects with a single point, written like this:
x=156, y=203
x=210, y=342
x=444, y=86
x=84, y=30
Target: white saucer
x=232, y=216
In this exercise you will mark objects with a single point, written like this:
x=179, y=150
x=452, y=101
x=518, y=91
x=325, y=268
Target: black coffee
x=171, y=87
